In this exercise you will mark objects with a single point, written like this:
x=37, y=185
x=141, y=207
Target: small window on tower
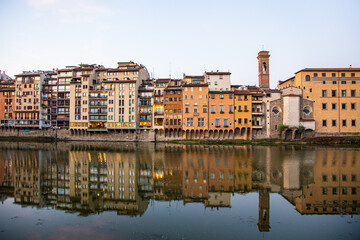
x=264, y=67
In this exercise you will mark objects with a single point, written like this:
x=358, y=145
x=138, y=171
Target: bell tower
x=263, y=61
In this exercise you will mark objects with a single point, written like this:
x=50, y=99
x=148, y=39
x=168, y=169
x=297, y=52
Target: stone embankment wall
x=64, y=134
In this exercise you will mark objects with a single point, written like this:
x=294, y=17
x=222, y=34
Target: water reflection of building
x=27, y=177
x=6, y=175
x=336, y=184
x=88, y=181
x=195, y=174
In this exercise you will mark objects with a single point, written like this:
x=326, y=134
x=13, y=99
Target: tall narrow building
x=263, y=62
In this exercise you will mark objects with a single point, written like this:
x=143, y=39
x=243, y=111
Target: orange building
x=173, y=110
x=7, y=100
x=221, y=171
x=195, y=110
x=195, y=176
x=221, y=115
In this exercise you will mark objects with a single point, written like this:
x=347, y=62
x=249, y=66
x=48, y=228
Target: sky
x=173, y=37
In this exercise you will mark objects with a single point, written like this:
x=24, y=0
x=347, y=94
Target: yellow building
x=335, y=92
x=336, y=185
x=243, y=114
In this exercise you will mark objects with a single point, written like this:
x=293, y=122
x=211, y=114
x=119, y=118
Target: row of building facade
x=89, y=99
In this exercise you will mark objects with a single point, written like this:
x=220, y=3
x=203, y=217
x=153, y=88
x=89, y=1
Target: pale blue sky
x=180, y=36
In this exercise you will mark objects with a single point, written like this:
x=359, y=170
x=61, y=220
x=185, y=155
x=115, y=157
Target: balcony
x=159, y=112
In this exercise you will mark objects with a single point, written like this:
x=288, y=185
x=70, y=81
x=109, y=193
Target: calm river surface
x=166, y=191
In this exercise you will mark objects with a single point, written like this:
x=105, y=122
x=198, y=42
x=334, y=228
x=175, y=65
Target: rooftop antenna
x=170, y=70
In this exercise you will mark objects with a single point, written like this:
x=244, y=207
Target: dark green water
x=165, y=191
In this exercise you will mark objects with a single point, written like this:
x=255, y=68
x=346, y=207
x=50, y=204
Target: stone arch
x=308, y=133
x=221, y=134
x=231, y=134
x=171, y=133
x=196, y=134
x=187, y=134
x=192, y=134
x=237, y=132
x=201, y=134
x=288, y=134
x=211, y=134
x=216, y=134
x=297, y=134
x=206, y=134
x=226, y=134
x=248, y=134
x=243, y=132
x=166, y=132
x=175, y=133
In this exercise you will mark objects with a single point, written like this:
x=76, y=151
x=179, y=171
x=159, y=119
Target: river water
x=166, y=191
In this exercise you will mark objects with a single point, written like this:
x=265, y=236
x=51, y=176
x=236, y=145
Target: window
x=275, y=110
x=221, y=108
x=343, y=93
x=200, y=89
x=353, y=123
x=212, y=96
x=324, y=82
x=333, y=123
x=343, y=82
x=221, y=96
x=307, y=78
x=333, y=82
x=191, y=96
x=306, y=110
x=324, y=93
x=334, y=178
x=353, y=82
x=344, y=178
x=200, y=96
x=344, y=123
x=239, y=120
x=213, y=108
x=190, y=122
x=200, y=122
x=353, y=177
x=353, y=106
x=324, y=190
x=334, y=191
x=204, y=109
x=245, y=121
x=323, y=74
x=333, y=93
x=315, y=74
x=333, y=74
x=186, y=109
x=230, y=108
x=352, y=93
x=344, y=190
x=343, y=74
x=217, y=122
x=352, y=74
x=343, y=106
x=333, y=106
x=324, y=178
x=324, y=123
x=226, y=122
x=195, y=110
x=324, y=106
